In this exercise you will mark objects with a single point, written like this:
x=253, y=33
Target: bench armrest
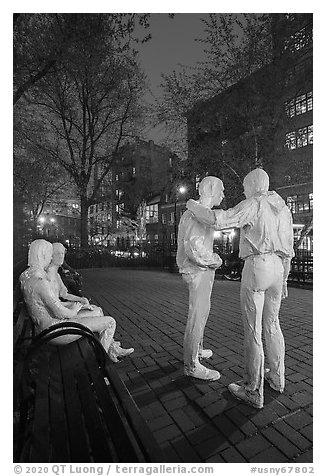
x=66, y=328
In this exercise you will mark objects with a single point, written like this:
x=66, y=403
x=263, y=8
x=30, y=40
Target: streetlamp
x=181, y=190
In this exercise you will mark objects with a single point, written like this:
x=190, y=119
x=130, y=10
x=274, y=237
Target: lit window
x=311, y=200
x=290, y=108
x=290, y=140
x=309, y=101
x=299, y=105
x=310, y=134
x=151, y=213
x=300, y=203
x=134, y=171
x=300, y=138
x=291, y=201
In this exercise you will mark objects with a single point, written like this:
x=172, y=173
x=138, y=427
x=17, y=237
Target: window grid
x=299, y=138
x=299, y=105
x=151, y=213
x=300, y=203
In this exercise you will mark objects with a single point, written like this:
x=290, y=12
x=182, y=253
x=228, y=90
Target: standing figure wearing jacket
x=197, y=264
x=266, y=245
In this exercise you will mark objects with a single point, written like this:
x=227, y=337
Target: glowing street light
x=180, y=190
x=42, y=219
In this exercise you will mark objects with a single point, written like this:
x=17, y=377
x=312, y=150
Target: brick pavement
x=198, y=421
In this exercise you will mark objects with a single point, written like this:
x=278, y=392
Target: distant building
x=264, y=120
x=141, y=176
x=293, y=170
x=60, y=221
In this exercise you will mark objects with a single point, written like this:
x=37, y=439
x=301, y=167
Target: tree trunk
x=84, y=221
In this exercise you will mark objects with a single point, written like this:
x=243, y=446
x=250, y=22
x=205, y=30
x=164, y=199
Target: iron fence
x=302, y=270
x=165, y=257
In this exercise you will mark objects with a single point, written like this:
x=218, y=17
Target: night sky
x=172, y=43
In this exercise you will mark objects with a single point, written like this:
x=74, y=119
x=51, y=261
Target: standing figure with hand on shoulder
x=266, y=246
x=197, y=263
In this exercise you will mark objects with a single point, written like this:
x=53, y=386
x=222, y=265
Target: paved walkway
x=197, y=421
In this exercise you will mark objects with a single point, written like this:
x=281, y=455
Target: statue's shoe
x=203, y=373
x=124, y=352
x=271, y=383
x=205, y=354
x=241, y=393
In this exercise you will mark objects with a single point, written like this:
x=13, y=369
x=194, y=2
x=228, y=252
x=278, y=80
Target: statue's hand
x=88, y=307
x=217, y=261
x=76, y=306
x=84, y=300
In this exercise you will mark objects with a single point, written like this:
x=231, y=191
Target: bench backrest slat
x=118, y=427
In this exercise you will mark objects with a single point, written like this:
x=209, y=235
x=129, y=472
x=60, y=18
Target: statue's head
x=58, y=255
x=40, y=254
x=257, y=181
x=211, y=189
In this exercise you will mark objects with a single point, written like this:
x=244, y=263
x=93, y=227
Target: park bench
x=70, y=405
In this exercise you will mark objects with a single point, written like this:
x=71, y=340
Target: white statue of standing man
x=266, y=245
x=197, y=263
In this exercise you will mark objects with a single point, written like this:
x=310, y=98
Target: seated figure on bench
x=45, y=308
x=60, y=290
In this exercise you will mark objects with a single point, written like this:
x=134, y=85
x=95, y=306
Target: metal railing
x=164, y=257
x=302, y=270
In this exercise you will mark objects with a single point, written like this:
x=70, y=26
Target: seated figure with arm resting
x=45, y=308
x=60, y=289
